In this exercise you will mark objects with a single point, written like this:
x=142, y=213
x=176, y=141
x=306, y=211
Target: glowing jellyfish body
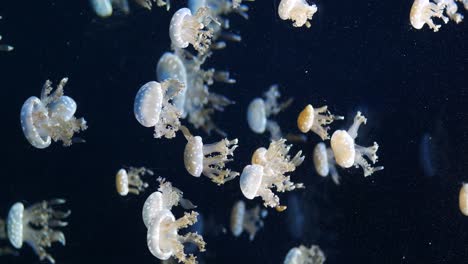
x=314, y=120
x=162, y=237
x=50, y=118
x=422, y=12
x=268, y=170
x=348, y=154
x=186, y=29
x=304, y=255
x=298, y=11
x=259, y=111
x=102, y=8
x=463, y=199
x=35, y=226
x=324, y=162
x=209, y=159
x=249, y=220
x=153, y=107
x=170, y=66
x=130, y=182
x=4, y=47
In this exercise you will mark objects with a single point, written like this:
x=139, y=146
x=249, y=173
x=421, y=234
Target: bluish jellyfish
x=295, y=216
x=36, y=225
x=130, y=181
x=170, y=66
x=348, y=154
x=304, y=255
x=314, y=120
x=249, y=220
x=324, y=162
x=268, y=171
x=299, y=11
x=153, y=107
x=260, y=110
x=51, y=117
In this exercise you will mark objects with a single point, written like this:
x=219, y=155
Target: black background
x=358, y=55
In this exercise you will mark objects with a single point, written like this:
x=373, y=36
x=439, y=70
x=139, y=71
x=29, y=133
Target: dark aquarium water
x=412, y=86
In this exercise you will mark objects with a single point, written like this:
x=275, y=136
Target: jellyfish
x=130, y=182
x=209, y=159
x=35, y=226
x=348, y=154
x=104, y=8
x=259, y=111
x=324, y=162
x=314, y=120
x=4, y=47
x=186, y=29
x=51, y=117
x=298, y=11
x=451, y=9
x=249, y=220
x=463, y=199
x=422, y=12
x=304, y=255
x=152, y=107
x=163, y=236
x=170, y=66
x=148, y=4
x=268, y=170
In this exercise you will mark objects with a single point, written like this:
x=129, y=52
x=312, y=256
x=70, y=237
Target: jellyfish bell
x=158, y=233
x=15, y=225
x=256, y=116
x=34, y=118
x=193, y=156
x=321, y=159
x=422, y=12
x=102, y=8
x=237, y=218
x=463, y=199
x=298, y=11
x=148, y=104
x=152, y=205
x=250, y=180
x=343, y=148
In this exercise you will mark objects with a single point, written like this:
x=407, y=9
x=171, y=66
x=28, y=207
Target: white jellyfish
x=314, y=120
x=259, y=111
x=186, y=29
x=4, y=47
x=163, y=236
x=298, y=11
x=268, y=170
x=250, y=220
x=463, y=199
x=422, y=12
x=153, y=107
x=324, y=162
x=35, y=226
x=209, y=159
x=304, y=255
x=105, y=8
x=130, y=181
x=348, y=154
x=51, y=117
x=451, y=9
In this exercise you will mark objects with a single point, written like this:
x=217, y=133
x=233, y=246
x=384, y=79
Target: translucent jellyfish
x=104, y=8
x=422, y=12
x=304, y=255
x=209, y=159
x=4, y=47
x=35, y=226
x=186, y=29
x=153, y=107
x=463, y=199
x=163, y=236
x=324, y=162
x=51, y=117
x=348, y=154
x=268, y=170
x=170, y=66
x=130, y=182
x=298, y=11
x=259, y=111
x=249, y=220
x=148, y=4
x=314, y=120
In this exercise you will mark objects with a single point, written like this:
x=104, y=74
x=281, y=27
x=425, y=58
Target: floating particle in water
x=463, y=199
x=250, y=220
x=130, y=181
x=298, y=11
x=304, y=255
x=163, y=236
x=153, y=107
x=35, y=226
x=259, y=111
x=267, y=171
x=209, y=159
x=314, y=120
x=324, y=162
x=186, y=29
x=348, y=154
x=51, y=117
